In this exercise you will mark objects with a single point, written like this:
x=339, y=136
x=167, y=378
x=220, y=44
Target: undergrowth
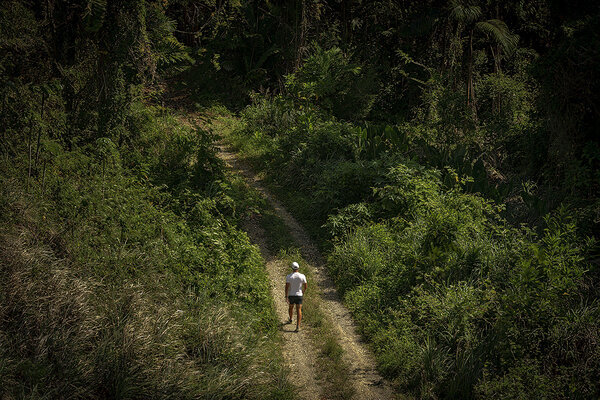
x=455, y=301
x=123, y=274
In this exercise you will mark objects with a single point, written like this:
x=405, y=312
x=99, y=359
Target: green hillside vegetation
x=444, y=153
x=456, y=301
x=123, y=272
x=461, y=229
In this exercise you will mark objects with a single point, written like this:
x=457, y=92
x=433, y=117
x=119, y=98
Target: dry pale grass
x=65, y=335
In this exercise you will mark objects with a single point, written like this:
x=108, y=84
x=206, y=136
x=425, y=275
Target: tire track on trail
x=299, y=352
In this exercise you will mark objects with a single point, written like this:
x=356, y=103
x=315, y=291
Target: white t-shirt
x=295, y=279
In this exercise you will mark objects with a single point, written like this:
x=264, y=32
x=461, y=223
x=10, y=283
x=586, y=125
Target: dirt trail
x=298, y=347
x=363, y=374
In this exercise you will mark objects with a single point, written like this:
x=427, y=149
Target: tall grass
x=121, y=280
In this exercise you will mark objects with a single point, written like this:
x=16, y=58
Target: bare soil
x=299, y=352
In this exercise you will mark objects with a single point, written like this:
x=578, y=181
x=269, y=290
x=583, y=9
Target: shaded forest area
x=445, y=153
x=511, y=88
x=123, y=269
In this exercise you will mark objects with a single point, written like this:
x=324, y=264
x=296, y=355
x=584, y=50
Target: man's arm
x=287, y=287
x=304, y=287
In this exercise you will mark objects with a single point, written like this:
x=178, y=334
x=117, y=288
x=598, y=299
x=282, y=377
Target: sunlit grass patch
x=331, y=366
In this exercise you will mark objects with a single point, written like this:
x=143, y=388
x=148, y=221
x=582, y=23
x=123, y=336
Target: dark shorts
x=295, y=299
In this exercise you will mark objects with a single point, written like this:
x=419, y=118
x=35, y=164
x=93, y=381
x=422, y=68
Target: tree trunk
x=470, y=71
x=470, y=87
x=496, y=54
x=302, y=39
x=118, y=67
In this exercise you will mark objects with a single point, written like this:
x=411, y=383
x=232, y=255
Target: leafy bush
x=506, y=104
x=328, y=79
x=122, y=272
x=452, y=299
x=456, y=302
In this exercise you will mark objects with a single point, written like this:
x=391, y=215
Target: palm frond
x=171, y=51
x=464, y=11
x=498, y=31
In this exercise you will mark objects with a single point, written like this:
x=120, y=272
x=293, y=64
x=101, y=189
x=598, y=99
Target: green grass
x=279, y=237
x=123, y=275
x=257, y=151
x=331, y=367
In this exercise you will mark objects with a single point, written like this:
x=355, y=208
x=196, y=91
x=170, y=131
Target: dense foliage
x=444, y=151
x=123, y=273
x=115, y=285
x=458, y=197
x=506, y=85
x=456, y=301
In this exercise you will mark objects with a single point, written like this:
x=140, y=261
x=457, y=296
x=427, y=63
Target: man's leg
x=299, y=315
x=290, y=310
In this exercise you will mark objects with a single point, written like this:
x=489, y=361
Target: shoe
x=297, y=329
x=289, y=321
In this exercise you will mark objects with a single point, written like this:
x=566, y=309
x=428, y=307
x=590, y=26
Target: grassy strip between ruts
x=331, y=367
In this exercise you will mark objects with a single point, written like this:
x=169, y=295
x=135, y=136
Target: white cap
x=295, y=266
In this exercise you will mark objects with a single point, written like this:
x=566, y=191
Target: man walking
x=295, y=286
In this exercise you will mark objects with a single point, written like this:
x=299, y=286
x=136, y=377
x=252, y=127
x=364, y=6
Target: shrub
x=328, y=78
x=113, y=287
x=456, y=302
x=453, y=300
